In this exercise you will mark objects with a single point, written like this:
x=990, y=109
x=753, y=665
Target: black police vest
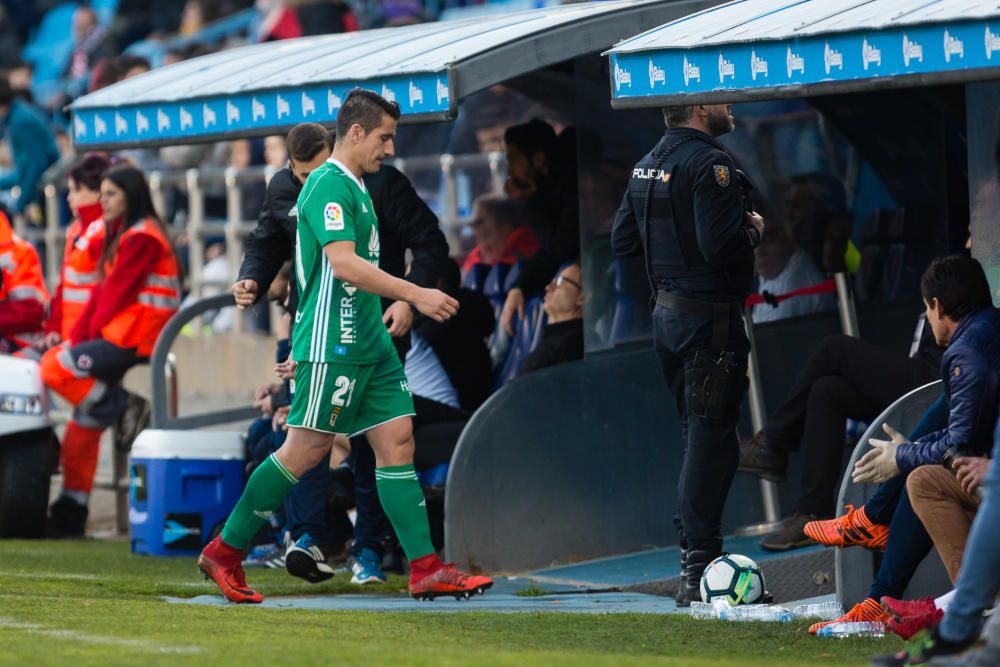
x=661, y=190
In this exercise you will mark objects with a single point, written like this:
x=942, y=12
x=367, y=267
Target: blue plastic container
x=183, y=485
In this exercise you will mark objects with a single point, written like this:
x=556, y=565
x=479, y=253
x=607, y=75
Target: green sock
x=403, y=502
x=266, y=489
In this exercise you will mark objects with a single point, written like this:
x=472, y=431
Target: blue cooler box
x=183, y=484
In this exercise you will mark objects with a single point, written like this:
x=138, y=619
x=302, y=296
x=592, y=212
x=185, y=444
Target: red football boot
x=904, y=608
x=908, y=626
x=221, y=563
x=432, y=578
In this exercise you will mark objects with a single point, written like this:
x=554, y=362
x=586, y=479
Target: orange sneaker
x=446, y=580
x=230, y=579
x=853, y=529
x=866, y=610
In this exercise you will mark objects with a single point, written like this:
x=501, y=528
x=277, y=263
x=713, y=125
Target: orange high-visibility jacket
x=80, y=271
x=140, y=323
x=23, y=283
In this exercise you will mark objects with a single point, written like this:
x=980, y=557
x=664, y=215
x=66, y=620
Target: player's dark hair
x=958, y=283
x=531, y=137
x=306, y=140
x=677, y=115
x=364, y=108
x=88, y=170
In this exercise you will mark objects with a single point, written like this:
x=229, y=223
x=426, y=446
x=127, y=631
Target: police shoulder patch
x=721, y=173
x=333, y=217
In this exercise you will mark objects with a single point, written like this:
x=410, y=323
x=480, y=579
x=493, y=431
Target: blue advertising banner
x=246, y=114
x=961, y=48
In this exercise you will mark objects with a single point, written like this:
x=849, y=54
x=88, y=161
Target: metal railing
x=758, y=412
x=237, y=223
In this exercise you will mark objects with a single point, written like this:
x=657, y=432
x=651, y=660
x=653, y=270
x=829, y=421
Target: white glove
x=879, y=464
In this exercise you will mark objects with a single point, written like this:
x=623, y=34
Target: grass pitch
x=93, y=603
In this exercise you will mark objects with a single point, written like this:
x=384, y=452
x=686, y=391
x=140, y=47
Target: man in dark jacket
x=960, y=312
x=541, y=171
x=405, y=222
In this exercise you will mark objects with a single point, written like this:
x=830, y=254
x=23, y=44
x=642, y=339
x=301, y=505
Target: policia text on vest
x=688, y=214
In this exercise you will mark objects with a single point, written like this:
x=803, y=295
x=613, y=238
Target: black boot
x=67, y=519
x=693, y=564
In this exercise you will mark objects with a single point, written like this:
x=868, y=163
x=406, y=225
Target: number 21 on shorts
x=344, y=385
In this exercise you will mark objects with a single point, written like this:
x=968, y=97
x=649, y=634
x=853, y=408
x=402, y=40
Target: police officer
x=687, y=212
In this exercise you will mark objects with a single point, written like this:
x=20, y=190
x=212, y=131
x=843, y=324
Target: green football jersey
x=336, y=322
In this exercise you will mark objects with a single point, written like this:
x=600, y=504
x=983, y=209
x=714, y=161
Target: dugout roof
x=766, y=49
x=427, y=68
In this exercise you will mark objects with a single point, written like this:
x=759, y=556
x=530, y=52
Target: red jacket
x=23, y=296
x=520, y=245
x=134, y=262
x=80, y=271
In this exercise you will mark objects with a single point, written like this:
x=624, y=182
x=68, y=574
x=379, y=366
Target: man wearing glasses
x=562, y=339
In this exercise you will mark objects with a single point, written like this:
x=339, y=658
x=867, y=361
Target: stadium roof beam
x=428, y=68
x=766, y=49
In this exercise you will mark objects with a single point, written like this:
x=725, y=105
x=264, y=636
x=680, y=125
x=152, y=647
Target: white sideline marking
x=73, y=635
x=55, y=575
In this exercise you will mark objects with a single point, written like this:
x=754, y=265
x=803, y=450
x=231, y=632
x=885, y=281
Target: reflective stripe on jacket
x=81, y=271
x=140, y=323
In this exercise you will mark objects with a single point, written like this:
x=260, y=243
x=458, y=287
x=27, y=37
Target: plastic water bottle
x=823, y=611
x=853, y=629
x=757, y=612
x=702, y=610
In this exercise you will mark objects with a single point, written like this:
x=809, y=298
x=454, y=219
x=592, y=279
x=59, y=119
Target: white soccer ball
x=734, y=578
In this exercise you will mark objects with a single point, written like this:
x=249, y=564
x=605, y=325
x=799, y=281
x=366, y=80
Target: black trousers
x=711, y=450
x=843, y=378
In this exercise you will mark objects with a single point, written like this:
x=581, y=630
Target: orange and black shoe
x=866, y=610
x=853, y=529
x=446, y=580
x=218, y=565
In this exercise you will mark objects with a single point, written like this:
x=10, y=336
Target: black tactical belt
x=720, y=313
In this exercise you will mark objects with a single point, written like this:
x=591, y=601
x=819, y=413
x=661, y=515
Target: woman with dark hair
x=84, y=245
x=138, y=289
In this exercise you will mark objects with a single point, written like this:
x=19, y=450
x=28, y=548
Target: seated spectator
x=449, y=361
x=90, y=44
x=782, y=268
x=541, y=170
x=23, y=297
x=500, y=237
x=844, y=378
x=32, y=146
x=138, y=291
x=80, y=271
x=562, y=338
x=961, y=314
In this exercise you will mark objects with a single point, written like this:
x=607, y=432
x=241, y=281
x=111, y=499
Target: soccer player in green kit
x=347, y=377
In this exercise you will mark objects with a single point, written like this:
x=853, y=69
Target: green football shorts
x=349, y=399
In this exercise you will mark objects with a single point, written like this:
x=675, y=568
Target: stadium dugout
x=580, y=461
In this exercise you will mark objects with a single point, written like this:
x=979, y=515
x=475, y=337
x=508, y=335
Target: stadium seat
x=526, y=335
x=869, y=273
x=494, y=286
x=475, y=277
x=628, y=314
